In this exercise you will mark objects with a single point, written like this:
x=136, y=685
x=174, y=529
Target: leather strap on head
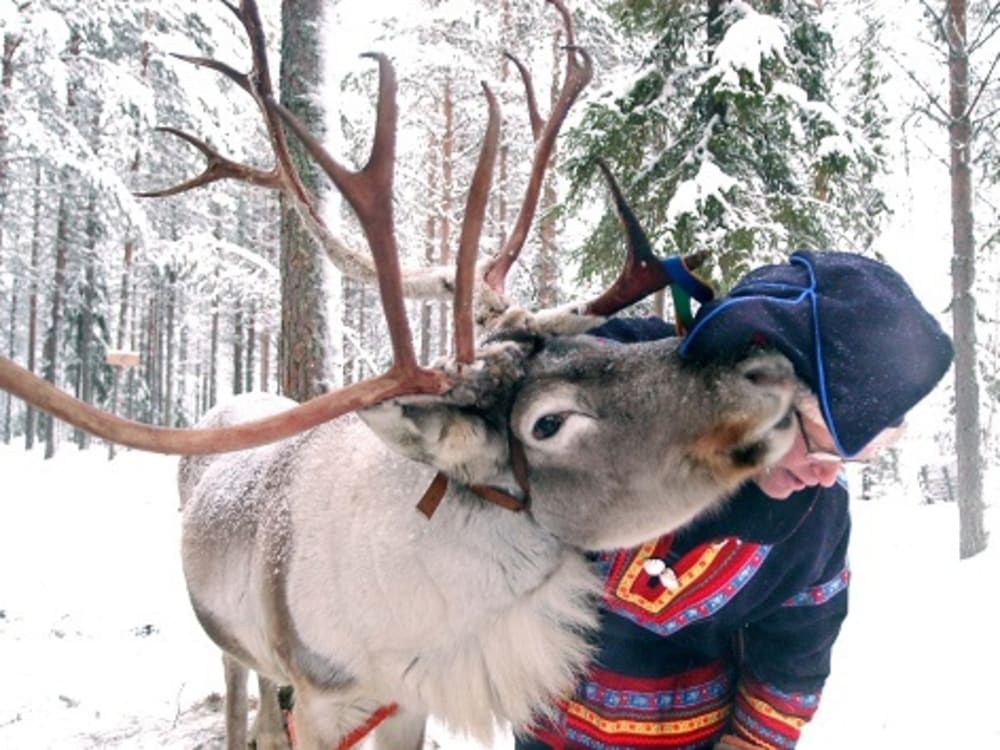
x=498, y=497
x=434, y=494
x=519, y=465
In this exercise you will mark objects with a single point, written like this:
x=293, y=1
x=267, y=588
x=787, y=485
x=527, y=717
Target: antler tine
x=579, y=70
x=359, y=188
x=242, y=80
x=529, y=94
x=48, y=398
x=217, y=168
x=283, y=176
x=262, y=90
x=472, y=227
x=369, y=191
x=643, y=273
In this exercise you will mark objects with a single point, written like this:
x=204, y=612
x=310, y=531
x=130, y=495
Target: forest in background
x=749, y=129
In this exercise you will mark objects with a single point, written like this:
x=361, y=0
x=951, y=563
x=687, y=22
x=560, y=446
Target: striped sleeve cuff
x=770, y=718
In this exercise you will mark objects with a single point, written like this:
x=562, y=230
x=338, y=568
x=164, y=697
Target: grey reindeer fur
x=307, y=562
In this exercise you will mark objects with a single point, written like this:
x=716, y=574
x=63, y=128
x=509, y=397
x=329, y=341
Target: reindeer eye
x=547, y=426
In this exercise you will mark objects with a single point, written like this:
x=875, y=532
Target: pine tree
x=726, y=139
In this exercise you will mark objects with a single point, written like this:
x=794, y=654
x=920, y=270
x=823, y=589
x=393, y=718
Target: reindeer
x=303, y=556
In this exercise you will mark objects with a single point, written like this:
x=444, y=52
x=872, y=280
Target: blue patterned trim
x=805, y=700
x=656, y=702
x=821, y=594
x=584, y=740
x=765, y=733
x=581, y=739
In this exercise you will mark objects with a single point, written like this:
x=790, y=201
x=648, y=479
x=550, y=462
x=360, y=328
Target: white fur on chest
x=513, y=662
x=471, y=614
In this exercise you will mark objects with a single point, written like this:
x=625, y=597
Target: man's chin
x=779, y=483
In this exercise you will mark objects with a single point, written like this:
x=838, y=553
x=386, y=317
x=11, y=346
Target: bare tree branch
x=986, y=26
x=932, y=98
x=982, y=86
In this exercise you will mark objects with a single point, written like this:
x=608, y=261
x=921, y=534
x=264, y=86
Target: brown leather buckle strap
x=498, y=497
x=434, y=494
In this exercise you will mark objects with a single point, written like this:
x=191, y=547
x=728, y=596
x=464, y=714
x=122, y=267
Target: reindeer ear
x=462, y=442
x=463, y=432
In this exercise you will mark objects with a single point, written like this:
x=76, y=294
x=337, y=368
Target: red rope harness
x=380, y=715
x=352, y=739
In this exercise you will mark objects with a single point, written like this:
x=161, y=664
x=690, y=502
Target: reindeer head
x=618, y=442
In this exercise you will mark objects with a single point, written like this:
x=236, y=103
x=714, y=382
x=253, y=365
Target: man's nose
x=826, y=473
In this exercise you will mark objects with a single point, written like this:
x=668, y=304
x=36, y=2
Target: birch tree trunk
x=11, y=354
x=212, y=392
x=238, y=340
x=123, y=307
x=169, y=346
x=85, y=335
x=968, y=440
x=265, y=360
x=251, y=340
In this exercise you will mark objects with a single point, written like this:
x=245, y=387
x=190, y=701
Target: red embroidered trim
x=709, y=576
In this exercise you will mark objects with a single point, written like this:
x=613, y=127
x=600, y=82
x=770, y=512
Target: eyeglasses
x=821, y=455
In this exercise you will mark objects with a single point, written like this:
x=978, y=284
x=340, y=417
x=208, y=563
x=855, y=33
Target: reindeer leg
x=269, y=726
x=236, y=703
x=404, y=730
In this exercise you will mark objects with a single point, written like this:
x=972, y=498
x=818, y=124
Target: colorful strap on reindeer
x=684, y=286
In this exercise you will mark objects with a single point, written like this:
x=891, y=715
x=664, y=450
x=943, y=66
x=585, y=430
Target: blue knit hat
x=852, y=328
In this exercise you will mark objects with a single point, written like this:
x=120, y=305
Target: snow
x=99, y=647
x=709, y=182
x=752, y=39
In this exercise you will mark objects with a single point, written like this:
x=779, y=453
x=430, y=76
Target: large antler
x=369, y=191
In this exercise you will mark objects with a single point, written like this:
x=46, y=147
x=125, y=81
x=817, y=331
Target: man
x=719, y=635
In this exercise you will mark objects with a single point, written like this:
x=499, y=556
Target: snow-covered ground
x=99, y=649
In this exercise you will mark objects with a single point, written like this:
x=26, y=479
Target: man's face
x=801, y=467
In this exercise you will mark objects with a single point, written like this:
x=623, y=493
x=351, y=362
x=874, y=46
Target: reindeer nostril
x=749, y=455
x=768, y=375
x=785, y=422
x=760, y=376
